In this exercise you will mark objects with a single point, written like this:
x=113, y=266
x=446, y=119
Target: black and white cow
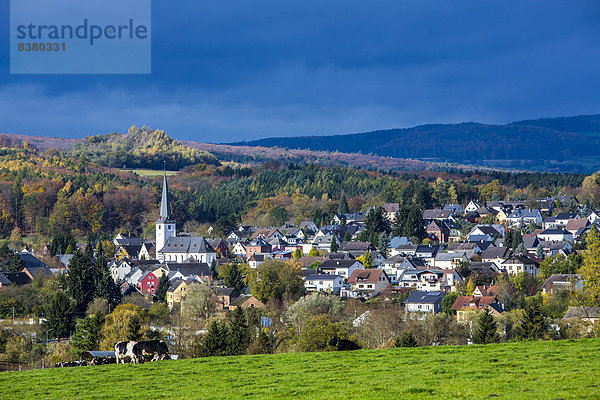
x=158, y=349
x=128, y=350
x=137, y=352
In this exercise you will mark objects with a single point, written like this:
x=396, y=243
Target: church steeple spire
x=165, y=209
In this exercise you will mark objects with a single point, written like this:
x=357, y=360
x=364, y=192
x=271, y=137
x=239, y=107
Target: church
x=173, y=248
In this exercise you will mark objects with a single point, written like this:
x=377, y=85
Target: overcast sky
x=241, y=70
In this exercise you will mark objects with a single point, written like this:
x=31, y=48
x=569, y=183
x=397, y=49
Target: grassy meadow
x=567, y=369
x=150, y=172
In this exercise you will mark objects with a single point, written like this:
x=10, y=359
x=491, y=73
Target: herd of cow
x=135, y=352
x=82, y=363
x=138, y=352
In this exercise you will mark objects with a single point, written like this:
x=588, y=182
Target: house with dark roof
x=553, y=248
x=519, y=263
x=562, y=219
x=497, y=255
x=225, y=296
x=17, y=278
x=555, y=235
x=356, y=246
x=183, y=248
x=201, y=271
x=558, y=282
x=437, y=214
x=343, y=268
x=424, y=302
x=323, y=283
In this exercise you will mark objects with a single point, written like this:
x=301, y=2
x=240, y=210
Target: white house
x=323, y=283
x=424, y=302
x=555, y=235
x=343, y=268
x=472, y=206
x=516, y=264
x=368, y=282
x=524, y=217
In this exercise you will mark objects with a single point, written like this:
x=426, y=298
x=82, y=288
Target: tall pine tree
x=215, y=341
x=343, y=206
x=81, y=281
x=161, y=289
x=239, y=333
x=60, y=320
x=486, y=330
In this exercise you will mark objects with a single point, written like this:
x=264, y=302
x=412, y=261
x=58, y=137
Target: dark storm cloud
x=243, y=70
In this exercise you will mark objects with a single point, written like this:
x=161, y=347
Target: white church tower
x=165, y=227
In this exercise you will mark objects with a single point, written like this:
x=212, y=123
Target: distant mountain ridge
x=566, y=144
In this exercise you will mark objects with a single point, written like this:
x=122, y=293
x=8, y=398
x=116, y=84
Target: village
x=488, y=257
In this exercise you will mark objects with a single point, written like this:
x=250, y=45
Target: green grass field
x=150, y=172
x=533, y=370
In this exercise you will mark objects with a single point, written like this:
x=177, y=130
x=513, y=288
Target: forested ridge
x=45, y=192
x=551, y=144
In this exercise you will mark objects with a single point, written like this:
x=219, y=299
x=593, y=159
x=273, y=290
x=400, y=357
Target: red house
x=148, y=283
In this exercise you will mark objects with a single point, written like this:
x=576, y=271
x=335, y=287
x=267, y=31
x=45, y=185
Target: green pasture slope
x=532, y=370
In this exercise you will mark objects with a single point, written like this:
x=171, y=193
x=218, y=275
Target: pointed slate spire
x=165, y=210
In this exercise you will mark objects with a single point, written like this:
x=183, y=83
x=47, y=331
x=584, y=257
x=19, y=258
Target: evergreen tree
x=539, y=251
x=333, y=247
x=60, y=320
x=134, y=328
x=232, y=276
x=215, y=341
x=89, y=248
x=486, y=330
x=414, y=226
x=375, y=224
x=384, y=242
x=106, y=288
x=161, y=289
x=347, y=236
x=17, y=200
x=16, y=263
x=531, y=324
x=87, y=333
x=297, y=254
x=81, y=280
x=517, y=239
x=343, y=206
x=400, y=220
x=508, y=239
x=406, y=340
x=239, y=333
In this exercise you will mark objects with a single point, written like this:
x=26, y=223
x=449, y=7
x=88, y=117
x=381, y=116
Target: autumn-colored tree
x=274, y=279
x=590, y=270
x=117, y=324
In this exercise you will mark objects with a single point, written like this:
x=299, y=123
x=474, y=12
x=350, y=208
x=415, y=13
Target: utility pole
x=46, y=349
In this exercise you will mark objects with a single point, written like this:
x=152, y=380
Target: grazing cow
x=158, y=349
x=343, y=344
x=128, y=350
